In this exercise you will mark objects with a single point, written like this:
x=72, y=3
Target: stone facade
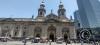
x=35, y=28
x=50, y=26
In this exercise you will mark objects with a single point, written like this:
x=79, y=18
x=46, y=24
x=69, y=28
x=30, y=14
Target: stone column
x=59, y=31
x=0, y=30
x=31, y=31
x=12, y=30
x=44, y=31
x=20, y=31
x=72, y=32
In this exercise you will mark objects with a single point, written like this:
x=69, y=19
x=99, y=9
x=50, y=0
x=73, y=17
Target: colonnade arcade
x=52, y=32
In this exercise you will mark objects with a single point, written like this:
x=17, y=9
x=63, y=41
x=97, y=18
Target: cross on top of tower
x=60, y=2
x=51, y=11
x=42, y=1
x=42, y=4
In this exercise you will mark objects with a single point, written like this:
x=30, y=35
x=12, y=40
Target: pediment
x=52, y=20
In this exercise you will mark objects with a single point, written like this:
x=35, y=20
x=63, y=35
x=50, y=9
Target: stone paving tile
x=29, y=43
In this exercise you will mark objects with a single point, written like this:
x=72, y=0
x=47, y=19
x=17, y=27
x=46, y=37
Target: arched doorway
x=52, y=33
x=65, y=37
x=65, y=32
x=37, y=32
x=51, y=37
x=37, y=35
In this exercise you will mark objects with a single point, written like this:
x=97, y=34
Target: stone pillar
x=20, y=31
x=44, y=31
x=72, y=32
x=12, y=30
x=0, y=31
x=59, y=31
x=31, y=31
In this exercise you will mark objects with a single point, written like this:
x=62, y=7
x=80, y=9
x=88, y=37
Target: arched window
x=15, y=34
x=25, y=27
x=40, y=12
x=62, y=13
x=37, y=35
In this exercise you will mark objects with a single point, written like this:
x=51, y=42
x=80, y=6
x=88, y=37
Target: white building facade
x=50, y=26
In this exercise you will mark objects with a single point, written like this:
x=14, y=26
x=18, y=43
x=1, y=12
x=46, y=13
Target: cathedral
x=48, y=26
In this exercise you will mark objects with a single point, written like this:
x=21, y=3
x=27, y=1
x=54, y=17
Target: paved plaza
x=29, y=43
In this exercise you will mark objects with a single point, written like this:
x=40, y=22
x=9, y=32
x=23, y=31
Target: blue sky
x=27, y=8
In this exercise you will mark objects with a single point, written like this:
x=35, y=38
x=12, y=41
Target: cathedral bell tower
x=61, y=13
x=61, y=10
x=41, y=11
